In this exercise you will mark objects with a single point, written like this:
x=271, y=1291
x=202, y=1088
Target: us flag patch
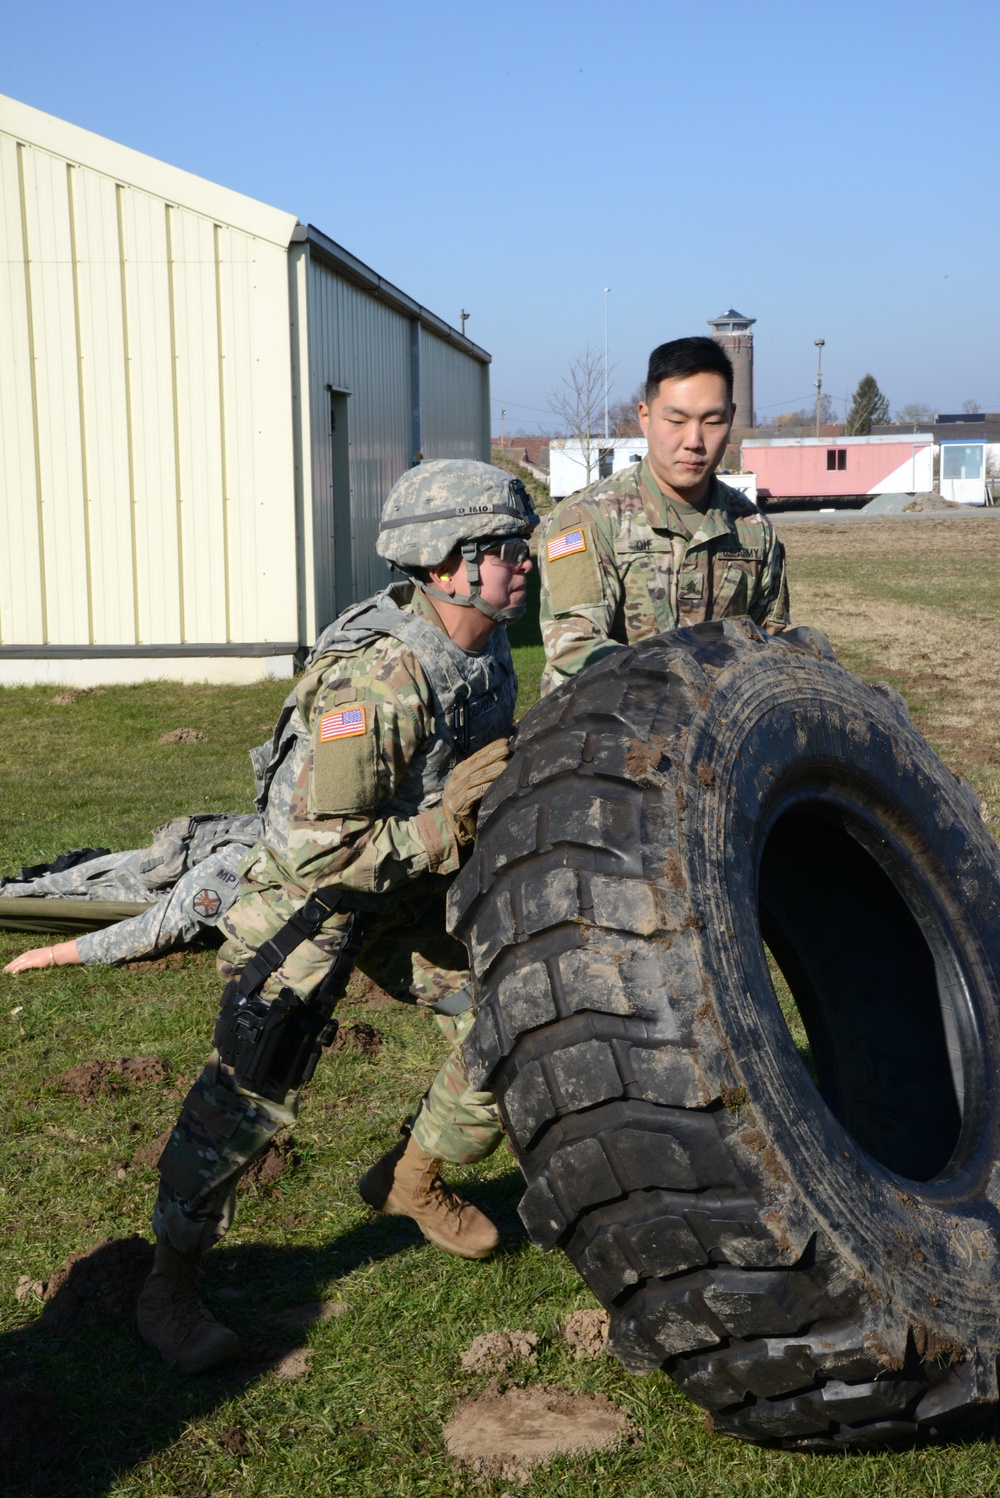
x=342, y=725
x=564, y=546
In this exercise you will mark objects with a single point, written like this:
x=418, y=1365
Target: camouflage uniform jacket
x=362, y=749
x=189, y=875
x=618, y=565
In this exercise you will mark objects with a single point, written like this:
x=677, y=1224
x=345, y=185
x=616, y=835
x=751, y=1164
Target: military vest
x=474, y=698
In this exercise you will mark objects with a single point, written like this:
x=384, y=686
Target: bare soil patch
x=586, y=1332
x=233, y=1438
x=172, y=962
x=915, y=601
x=181, y=736
x=149, y=1154
x=495, y=1352
x=299, y=1317
x=267, y=1170
x=63, y=699
x=99, y=1283
x=502, y=1435
x=364, y=991
x=294, y=1363
x=282, y=1358
x=360, y=1037
x=89, y=1079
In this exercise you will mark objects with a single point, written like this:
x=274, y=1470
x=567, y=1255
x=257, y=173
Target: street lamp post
x=606, y=290
x=819, y=342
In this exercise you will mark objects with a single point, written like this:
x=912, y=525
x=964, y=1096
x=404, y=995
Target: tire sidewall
x=782, y=725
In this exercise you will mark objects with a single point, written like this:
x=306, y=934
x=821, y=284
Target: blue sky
x=829, y=170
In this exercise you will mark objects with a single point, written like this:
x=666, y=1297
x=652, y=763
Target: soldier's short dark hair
x=683, y=357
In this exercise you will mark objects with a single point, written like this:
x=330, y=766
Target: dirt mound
x=149, y=1154
x=37, y=1441
x=281, y=1357
x=90, y=1079
x=502, y=1435
x=360, y=1037
x=63, y=699
x=171, y=962
x=269, y=1167
x=294, y=1363
x=181, y=736
x=313, y=1311
x=97, y=1283
x=587, y=1332
x=364, y=991
x=234, y=1439
x=495, y=1352
x=144, y=1071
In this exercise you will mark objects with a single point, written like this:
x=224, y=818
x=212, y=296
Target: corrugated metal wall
x=360, y=345
x=358, y=342
x=451, y=406
x=146, y=463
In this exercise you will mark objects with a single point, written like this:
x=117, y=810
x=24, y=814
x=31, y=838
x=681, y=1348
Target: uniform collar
x=716, y=521
x=419, y=604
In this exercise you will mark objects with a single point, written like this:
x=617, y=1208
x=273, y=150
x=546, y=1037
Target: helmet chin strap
x=474, y=598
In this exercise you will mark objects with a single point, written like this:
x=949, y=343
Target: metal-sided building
x=203, y=404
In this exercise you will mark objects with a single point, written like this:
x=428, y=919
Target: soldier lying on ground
x=662, y=543
x=188, y=878
x=397, y=728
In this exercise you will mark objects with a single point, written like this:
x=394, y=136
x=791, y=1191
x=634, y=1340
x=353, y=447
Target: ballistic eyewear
x=512, y=551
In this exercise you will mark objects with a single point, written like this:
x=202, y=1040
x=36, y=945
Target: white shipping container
x=568, y=469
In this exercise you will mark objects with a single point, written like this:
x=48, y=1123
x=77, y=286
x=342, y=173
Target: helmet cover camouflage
x=437, y=506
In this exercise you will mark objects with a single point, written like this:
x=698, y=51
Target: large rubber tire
x=817, y=1263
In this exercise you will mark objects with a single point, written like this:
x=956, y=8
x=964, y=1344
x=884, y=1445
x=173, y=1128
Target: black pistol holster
x=273, y=1046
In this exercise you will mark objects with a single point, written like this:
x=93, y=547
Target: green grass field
x=365, y=1414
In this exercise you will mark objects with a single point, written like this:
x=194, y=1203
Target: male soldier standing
x=663, y=543
x=398, y=727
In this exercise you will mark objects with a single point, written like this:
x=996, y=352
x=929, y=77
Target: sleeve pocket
x=573, y=580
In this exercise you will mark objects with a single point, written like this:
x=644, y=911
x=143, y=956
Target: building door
x=340, y=500
x=963, y=472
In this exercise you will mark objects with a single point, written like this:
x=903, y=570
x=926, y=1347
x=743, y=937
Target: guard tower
x=732, y=330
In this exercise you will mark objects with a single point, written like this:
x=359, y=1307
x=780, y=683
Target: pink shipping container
x=802, y=468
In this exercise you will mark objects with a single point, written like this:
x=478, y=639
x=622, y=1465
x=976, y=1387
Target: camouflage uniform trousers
x=223, y=1127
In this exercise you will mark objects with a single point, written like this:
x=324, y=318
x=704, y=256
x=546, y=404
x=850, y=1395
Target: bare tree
x=805, y=416
x=579, y=405
x=970, y=407
x=916, y=411
x=622, y=416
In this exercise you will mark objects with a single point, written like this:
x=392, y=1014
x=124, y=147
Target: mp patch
x=343, y=725
x=565, y=546
x=207, y=903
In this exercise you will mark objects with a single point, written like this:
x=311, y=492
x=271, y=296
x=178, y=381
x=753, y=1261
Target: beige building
x=203, y=403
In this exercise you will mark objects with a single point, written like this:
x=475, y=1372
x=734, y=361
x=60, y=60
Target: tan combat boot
x=173, y=1320
x=405, y=1183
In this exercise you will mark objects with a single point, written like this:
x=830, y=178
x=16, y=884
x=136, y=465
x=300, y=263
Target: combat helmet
x=448, y=505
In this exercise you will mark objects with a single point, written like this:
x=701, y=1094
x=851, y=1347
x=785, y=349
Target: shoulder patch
x=572, y=574
x=207, y=903
x=344, y=777
x=564, y=546
x=343, y=725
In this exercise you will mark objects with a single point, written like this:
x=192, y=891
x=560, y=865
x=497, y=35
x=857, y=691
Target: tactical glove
x=467, y=785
